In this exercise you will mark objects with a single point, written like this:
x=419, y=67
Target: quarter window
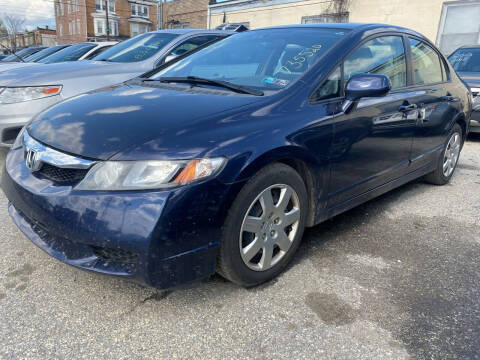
x=383, y=55
x=331, y=88
x=425, y=63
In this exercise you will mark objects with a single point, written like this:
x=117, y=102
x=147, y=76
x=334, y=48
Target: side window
x=426, y=64
x=191, y=44
x=331, y=88
x=96, y=52
x=383, y=55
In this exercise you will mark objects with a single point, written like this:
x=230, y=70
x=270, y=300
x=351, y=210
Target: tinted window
x=97, y=52
x=22, y=54
x=191, y=44
x=383, y=55
x=425, y=63
x=331, y=88
x=264, y=59
x=138, y=48
x=71, y=53
x=467, y=60
x=44, y=53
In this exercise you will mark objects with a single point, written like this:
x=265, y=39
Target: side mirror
x=365, y=85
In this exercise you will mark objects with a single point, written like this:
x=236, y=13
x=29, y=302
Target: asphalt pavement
x=396, y=278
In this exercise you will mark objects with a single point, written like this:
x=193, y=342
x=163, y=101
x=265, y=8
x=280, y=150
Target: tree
x=13, y=25
x=339, y=10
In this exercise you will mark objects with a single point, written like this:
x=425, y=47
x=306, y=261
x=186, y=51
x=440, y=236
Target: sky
x=35, y=12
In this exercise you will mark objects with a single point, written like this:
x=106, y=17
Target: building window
x=450, y=34
x=60, y=29
x=139, y=10
x=100, y=27
x=78, y=26
x=62, y=8
x=100, y=5
x=325, y=18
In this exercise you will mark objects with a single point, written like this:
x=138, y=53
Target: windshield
x=21, y=54
x=71, y=53
x=137, y=49
x=263, y=59
x=44, y=53
x=466, y=60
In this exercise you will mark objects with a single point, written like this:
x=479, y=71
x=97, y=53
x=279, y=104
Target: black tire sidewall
x=236, y=270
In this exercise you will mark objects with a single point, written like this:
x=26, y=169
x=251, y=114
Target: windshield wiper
x=224, y=84
x=18, y=57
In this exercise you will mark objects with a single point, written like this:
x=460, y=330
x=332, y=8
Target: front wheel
x=447, y=162
x=264, y=226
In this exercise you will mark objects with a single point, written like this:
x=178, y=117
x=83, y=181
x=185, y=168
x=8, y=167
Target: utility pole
x=108, y=22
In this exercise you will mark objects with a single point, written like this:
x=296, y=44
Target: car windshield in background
x=15, y=57
x=71, y=53
x=466, y=60
x=137, y=49
x=42, y=54
x=265, y=60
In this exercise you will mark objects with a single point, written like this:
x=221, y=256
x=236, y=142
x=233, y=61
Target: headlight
x=19, y=140
x=141, y=175
x=11, y=95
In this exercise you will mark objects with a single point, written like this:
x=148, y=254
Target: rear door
x=372, y=142
x=436, y=102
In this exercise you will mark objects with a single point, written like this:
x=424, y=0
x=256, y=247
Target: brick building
x=185, y=14
x=86, y=20
x=39, y=36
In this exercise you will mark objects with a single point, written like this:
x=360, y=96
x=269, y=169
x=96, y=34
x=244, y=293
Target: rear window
x=466, y=60
x=137, y=49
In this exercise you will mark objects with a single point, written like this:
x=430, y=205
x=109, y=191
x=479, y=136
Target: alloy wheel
x=452, y=153
x=269, y=227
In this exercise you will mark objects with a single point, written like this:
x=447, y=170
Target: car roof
x=360, y=27
x=192, y=31
x=468, y=47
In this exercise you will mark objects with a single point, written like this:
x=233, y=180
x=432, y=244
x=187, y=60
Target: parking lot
x=398, y=277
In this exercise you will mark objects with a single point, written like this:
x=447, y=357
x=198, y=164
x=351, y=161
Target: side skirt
x=380, y=190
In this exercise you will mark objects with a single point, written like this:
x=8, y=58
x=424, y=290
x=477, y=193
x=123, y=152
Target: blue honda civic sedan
x=218, y=162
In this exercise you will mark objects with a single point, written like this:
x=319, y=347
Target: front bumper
x=157, y=238
x=14, y=116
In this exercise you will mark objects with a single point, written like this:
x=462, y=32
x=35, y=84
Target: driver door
x=372, y=142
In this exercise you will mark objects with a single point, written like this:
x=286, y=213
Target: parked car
x=2, y=56
x=21, y=54
x=466, y=62
x=30, y=90
x=29, y=60
x=220, y=160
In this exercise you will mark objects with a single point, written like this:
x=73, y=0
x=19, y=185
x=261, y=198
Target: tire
x=249, y=227
x=439, y=176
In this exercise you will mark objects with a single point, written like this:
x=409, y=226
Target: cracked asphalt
x=396, y=278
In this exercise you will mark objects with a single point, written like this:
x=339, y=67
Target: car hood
x=16, y=65
x=52, y=74
x=471, y=78
x=103, y=123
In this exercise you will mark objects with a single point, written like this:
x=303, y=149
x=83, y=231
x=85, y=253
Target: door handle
x=408, y=107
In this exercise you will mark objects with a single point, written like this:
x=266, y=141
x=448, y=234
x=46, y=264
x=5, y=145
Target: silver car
x=27, y=91
x=82, y=51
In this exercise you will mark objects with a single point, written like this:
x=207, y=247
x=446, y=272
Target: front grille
x=62, y=175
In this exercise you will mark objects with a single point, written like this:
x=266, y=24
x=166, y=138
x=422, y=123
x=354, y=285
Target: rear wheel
x=447, y=162
x=264, y=226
